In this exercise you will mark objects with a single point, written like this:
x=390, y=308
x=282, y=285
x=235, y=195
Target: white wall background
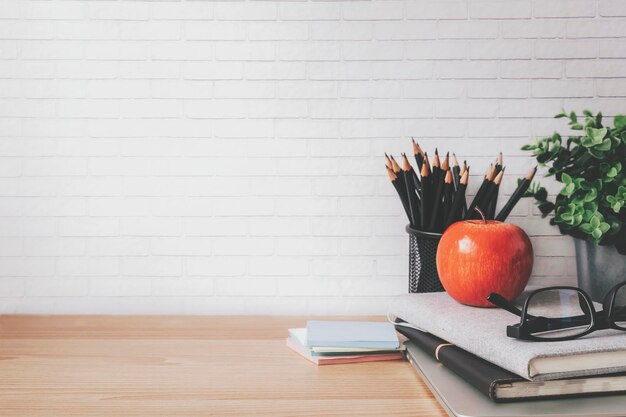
x=203, y=157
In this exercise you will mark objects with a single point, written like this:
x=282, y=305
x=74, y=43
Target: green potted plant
x=591, y=205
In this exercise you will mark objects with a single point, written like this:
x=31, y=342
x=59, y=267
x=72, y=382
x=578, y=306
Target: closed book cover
x=300, y=336
x=482, y=332
x=351, y=334
x=501, y=385
x=294, y=342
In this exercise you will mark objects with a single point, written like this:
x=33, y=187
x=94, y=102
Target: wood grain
x=188, y=366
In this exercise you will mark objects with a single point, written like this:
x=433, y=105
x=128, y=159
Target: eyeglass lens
x=618, y=312
x=560, y=313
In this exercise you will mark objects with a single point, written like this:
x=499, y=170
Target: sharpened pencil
x=517, y=194
x=438, y=184
x=401, y=192
x=388, y=163
x=493, y=200
x=426, y=193
x=448, y=192
x=463, y=169
x=436, y=168
x=456, y=171
x=394, y=165
x=416, y=180
x=485, y=199
x=418, y=153
x=411, y=191
x=490, y=195
x=481, y=191
x=458, y=200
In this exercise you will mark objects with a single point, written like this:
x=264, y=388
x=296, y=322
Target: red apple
x=477, y=257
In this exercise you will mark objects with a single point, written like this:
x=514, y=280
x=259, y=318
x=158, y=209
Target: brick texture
x=226, y=157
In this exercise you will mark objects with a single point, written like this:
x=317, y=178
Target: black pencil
x=401, y=192
x=388, y=162
x=481, y=191
x=394, y=165
x=418, y=153
x=499, y=165
x=426, y=193
x=445, y=166
x=438, y=183
x=448, y=192
x=491, y=194
x=416, y=180
x=436, y=168
x=463, y=169
x=488, y=194
x=456, y=171
x=519, y=193
x=411, y=191
x=493, y=199
x=458, y=200
x=398, y=171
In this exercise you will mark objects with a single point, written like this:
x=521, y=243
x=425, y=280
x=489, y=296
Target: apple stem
x=482, y=215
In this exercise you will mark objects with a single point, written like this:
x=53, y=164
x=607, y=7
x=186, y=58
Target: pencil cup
x=423, y=275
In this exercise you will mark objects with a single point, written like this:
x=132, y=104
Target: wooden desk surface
x=117, y=366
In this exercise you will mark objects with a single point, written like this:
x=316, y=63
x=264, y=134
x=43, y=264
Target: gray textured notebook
x=482, y=331
x=460, y=399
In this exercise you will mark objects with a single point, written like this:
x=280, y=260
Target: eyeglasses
x=564, y=313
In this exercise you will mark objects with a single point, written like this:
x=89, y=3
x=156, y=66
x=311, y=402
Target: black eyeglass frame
x=599, y=320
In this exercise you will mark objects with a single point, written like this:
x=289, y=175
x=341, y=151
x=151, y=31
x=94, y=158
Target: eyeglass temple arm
x=498, y=300
x=537, y=323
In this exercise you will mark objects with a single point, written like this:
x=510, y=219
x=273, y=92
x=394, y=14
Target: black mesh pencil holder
x=423, y=275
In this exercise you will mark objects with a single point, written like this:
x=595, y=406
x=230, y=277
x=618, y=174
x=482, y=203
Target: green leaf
x=597, y=135
x=586, y=227
x=591, y=195
x=596, y=234
x=568, y=189
x=619, y=121
x=546, y=208
x=541, y=194
x=594, y=222
x=565, y=178
x=605, y=146
x=587, y=142
x=615, y=203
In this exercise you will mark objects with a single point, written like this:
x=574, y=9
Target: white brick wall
x=225, y=157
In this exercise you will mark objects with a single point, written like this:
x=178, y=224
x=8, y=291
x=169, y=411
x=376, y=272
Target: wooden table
x=117, y=366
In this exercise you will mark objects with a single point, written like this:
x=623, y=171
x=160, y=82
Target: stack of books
x=472, y=342
x=336, y=342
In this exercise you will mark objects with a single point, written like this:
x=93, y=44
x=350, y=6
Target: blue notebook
x=351, y=334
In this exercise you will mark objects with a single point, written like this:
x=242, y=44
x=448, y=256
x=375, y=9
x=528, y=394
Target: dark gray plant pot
x=599, y=268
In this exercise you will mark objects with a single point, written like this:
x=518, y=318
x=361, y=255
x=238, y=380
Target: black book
x=501, y=385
